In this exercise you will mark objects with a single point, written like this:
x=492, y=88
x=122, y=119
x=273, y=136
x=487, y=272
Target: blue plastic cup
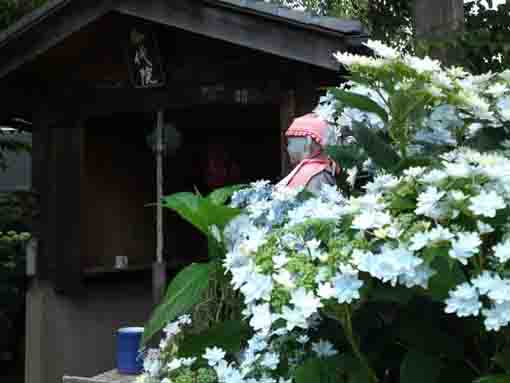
x=129, y=357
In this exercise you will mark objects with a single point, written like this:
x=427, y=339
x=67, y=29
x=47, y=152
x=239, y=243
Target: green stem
x=347, y=324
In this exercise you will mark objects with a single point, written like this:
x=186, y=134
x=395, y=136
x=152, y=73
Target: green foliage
x=494, y=379
x=201, y=212
x=229, y=336
x=221, y=196
x=361, y=102
x=319, y=370
x=184, y=292
x=12, y=10
x=418, y=367
x=381, y=153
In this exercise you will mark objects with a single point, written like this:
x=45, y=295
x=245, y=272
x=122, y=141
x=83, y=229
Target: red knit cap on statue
x=309, y=125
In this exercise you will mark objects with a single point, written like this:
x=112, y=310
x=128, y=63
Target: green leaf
x=221, y=195
x=199, y=211
x=431, y=338
x=397, y=294
x=418, y=367
x=361, y=102
x=228, y=336
x=376, y=148
x=487, y=139
x=319, y=370
x=448, y=276
x=494, y=379
x=502, y=359
x=184, y=292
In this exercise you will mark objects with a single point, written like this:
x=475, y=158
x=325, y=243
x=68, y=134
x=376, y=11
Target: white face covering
x=298, y=148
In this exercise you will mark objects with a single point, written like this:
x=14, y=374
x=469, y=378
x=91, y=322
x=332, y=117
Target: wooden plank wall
x=119, y=182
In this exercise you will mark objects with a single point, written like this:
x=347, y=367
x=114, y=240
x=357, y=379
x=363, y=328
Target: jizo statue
x=307, y=137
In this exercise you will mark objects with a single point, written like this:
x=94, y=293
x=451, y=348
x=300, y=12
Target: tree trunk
x=435, y=21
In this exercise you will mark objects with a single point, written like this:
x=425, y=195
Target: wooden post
x=287, y=114
x=435, y=20
x=159, y=266
x=66, y=207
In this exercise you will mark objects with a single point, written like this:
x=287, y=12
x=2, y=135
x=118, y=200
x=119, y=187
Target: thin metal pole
x=159, y=180
x=159, y=266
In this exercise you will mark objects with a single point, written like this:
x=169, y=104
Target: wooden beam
x=48, y=32
x=62, y=104
x=251, y=31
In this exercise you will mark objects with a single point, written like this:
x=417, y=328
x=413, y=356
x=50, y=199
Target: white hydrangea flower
x=346, y=285
x=434, y=176
x=389, y=264
x=419, y=240
x=262, y=318
x=502, y=251
x=174, y=364
x=420, y=276
x=324, y=349
x=486, y=204
x=213, y=355
x=381, y=183
x=497, y=317
x=382, y=50
x=349, y=59
x=428, y=202
x=422, y=65
x=497, y=90
x=294, y=318
x=439, y=234
x=305, y=301
x=371, y=220
x=486, y=282
x=285, y=278
x=326, y=290
x=270, y=360
x=484, y=228
x=188, y=362
x=463, y=301
x=465, y=246
x=257, y=287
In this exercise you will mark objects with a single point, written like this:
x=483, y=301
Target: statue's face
x=298, y=148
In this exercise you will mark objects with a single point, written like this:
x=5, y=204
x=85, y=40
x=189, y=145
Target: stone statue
x=307, y=136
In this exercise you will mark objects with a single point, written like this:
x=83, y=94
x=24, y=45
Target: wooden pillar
x=436, y=20
x=40, y=186
x=287, y=114
x=65, y=202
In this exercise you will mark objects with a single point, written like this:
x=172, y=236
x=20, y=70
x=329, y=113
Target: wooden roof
x=254, y=24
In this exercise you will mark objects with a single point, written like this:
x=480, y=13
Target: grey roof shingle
x=344, y=26
x=259, y=7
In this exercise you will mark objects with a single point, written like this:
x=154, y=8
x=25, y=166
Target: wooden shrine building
x=90, y=76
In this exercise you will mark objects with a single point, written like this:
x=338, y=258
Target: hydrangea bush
x=404, y=279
